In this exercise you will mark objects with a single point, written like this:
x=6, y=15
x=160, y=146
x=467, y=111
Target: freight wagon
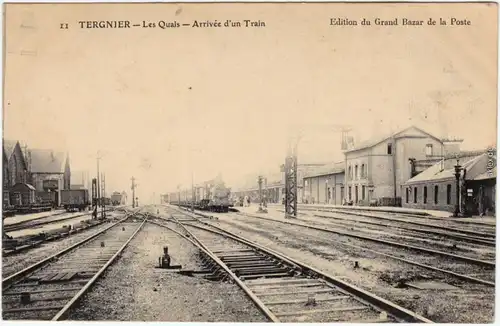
x=75, y=199
x=212, y=196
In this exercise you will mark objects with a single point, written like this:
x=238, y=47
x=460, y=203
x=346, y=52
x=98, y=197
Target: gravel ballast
x=377, y=274
x=16, y=262
x=133, y=289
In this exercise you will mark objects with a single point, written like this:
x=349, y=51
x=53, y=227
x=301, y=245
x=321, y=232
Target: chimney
x=413, y=167
x=451, y=146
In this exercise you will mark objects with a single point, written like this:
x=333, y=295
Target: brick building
x=50, y=172
x=15, y=168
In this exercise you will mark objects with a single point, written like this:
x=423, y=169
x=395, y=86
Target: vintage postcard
x=250, y=162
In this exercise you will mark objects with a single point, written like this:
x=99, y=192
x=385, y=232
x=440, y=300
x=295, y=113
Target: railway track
x=284, y=289
x=478, y=271
x=461, y=267
x=488, y=230
x=38, y=240
x=47, y=290
x=409, y=233
x=485, y=238
x=482, y=238
x=46, y=220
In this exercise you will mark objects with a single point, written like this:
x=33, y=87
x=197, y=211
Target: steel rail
x=9, y=280
x=474, y=233
x=415, y=215
x=391, y=243
x=404, y=315
x=34, y=219
x=26, y=224
x=268, y=313
x=455, y=236
x=30, y=244
x=368, y=298
x=64, y=311
x=436, y=269
x=460, y=276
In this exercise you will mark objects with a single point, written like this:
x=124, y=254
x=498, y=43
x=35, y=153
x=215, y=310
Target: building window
x=407, y=195
x=415, y=195
x=350, y=193
x=363, y=172
x=389, y=149
x=356, y=194
x=448, y=194
x=425, y=194
x=436, y=191
x=428, y=150
x=363, y=189
x=356, y=172
x=350, y=172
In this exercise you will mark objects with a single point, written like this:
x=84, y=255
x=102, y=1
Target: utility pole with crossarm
x=133, y=192
x=291, y=166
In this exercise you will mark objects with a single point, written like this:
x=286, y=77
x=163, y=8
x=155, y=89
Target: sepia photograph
x=240, y=162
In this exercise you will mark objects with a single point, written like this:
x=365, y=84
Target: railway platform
x=28, y=217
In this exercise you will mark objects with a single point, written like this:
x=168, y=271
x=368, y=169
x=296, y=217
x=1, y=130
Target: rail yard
x=326, y=265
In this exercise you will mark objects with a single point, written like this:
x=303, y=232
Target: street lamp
x=261, y=210
x=326, y=191
x=458, y=169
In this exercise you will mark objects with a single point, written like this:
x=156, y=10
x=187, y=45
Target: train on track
x=75, y=199
x=116, y=198
x=211, y=196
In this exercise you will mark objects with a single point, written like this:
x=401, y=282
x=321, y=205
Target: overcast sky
x=159, y=104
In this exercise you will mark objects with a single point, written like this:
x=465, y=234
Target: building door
x=333, y=196
x=341, y=194
x=355, y=194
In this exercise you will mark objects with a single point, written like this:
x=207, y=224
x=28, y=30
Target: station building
x=436, y=187
x=325, y=185
x=274, y=189
x=375, y=171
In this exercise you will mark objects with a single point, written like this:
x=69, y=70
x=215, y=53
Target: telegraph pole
x=265, y=193
x=94, y=198
x=133, y=192
x=103, y=212
x=98, y=181
x=261, y=210
x=193, y=192
x=290, y=170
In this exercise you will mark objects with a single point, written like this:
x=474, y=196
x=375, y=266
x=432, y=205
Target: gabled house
x=50, y=172
x=15, y=168
x=376, y=170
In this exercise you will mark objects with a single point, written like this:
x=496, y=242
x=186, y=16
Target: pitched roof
x=492, y=174
x=8, y=147
x=446, y=169
x=47, y=161
x=377, y=140
x=327, y=169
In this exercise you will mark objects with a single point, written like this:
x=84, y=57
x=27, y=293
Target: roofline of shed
x=391, y=136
